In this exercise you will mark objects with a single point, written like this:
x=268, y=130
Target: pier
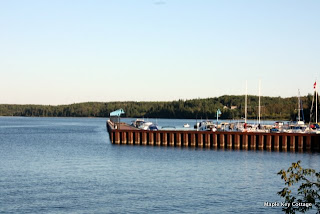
x=121, y=133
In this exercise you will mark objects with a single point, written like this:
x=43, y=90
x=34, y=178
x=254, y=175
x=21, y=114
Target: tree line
x=232, y=107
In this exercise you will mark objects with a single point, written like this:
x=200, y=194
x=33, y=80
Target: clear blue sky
x=61, y=52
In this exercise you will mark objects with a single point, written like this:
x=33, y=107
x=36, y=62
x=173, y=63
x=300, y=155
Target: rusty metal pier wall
x=300, y=142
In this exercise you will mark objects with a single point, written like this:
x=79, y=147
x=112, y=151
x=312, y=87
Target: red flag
x=314, y=85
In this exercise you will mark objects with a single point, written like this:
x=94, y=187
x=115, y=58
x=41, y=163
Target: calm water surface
x=68, y=165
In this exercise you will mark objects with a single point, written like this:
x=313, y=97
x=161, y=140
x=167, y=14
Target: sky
x=61, y=52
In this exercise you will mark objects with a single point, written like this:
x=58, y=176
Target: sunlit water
x=68, y=165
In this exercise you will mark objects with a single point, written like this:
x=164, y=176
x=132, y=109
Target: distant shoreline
x=151, y=118
x=231, y=106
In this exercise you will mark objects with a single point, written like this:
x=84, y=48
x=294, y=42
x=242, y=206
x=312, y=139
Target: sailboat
x=245, y=127
x=300, y=110
x=298, y=126
x=259, y=128
x=242, y=127
x=314, y=127
x=249, y=127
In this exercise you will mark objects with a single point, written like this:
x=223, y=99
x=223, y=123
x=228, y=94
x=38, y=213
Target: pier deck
x=121, y=126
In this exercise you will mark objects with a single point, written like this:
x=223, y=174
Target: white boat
x=186, y=125
x=145, y=125
x=313, y=129
x=206, y=126
x=153, y=127
x=298, y=127
x=141, y=124
x=225, y=127
x=239, y=127
x=168, y=128
x=136, y=123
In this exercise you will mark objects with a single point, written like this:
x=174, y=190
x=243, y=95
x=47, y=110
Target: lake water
x=68, y=165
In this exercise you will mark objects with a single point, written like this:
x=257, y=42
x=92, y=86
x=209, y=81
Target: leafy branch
x=308, y=191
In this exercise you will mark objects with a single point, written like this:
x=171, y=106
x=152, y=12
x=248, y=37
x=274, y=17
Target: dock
x=122, y=133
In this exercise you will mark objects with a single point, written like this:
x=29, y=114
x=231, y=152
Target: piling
x=292, y=143
x=237, y=141
x=245, y=141
x=308, y=143
x=229, y=141
x=268, y=143
x=111, y=134
x=171, y=139
x=117, y=138
x=151, y=137
x=276, y=143
x=300, y=143
x=164, y=139
x=200, y=140
x=158, y=139
x=253, y=142
x=207, y=140
x=261, y=142
x=193, y=140
x=185, y=139
x=221, y=141
x=144, y=138
x=284, y=143
x=124, y=138
x=130, y=138
x=215, y=140
x=178, y=139
x=137, y=138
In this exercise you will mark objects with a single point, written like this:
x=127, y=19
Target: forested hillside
x=232, y=107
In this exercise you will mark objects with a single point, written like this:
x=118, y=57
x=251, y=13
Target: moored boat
x=206, y=126
x=141, y=124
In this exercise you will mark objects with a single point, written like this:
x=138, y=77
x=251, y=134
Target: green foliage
x=308, y=191
x=275, y=108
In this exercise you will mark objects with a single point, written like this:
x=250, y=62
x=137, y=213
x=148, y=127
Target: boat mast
x=259, y=101
x=245, y=105
x=316, y=102
x=299, y=105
